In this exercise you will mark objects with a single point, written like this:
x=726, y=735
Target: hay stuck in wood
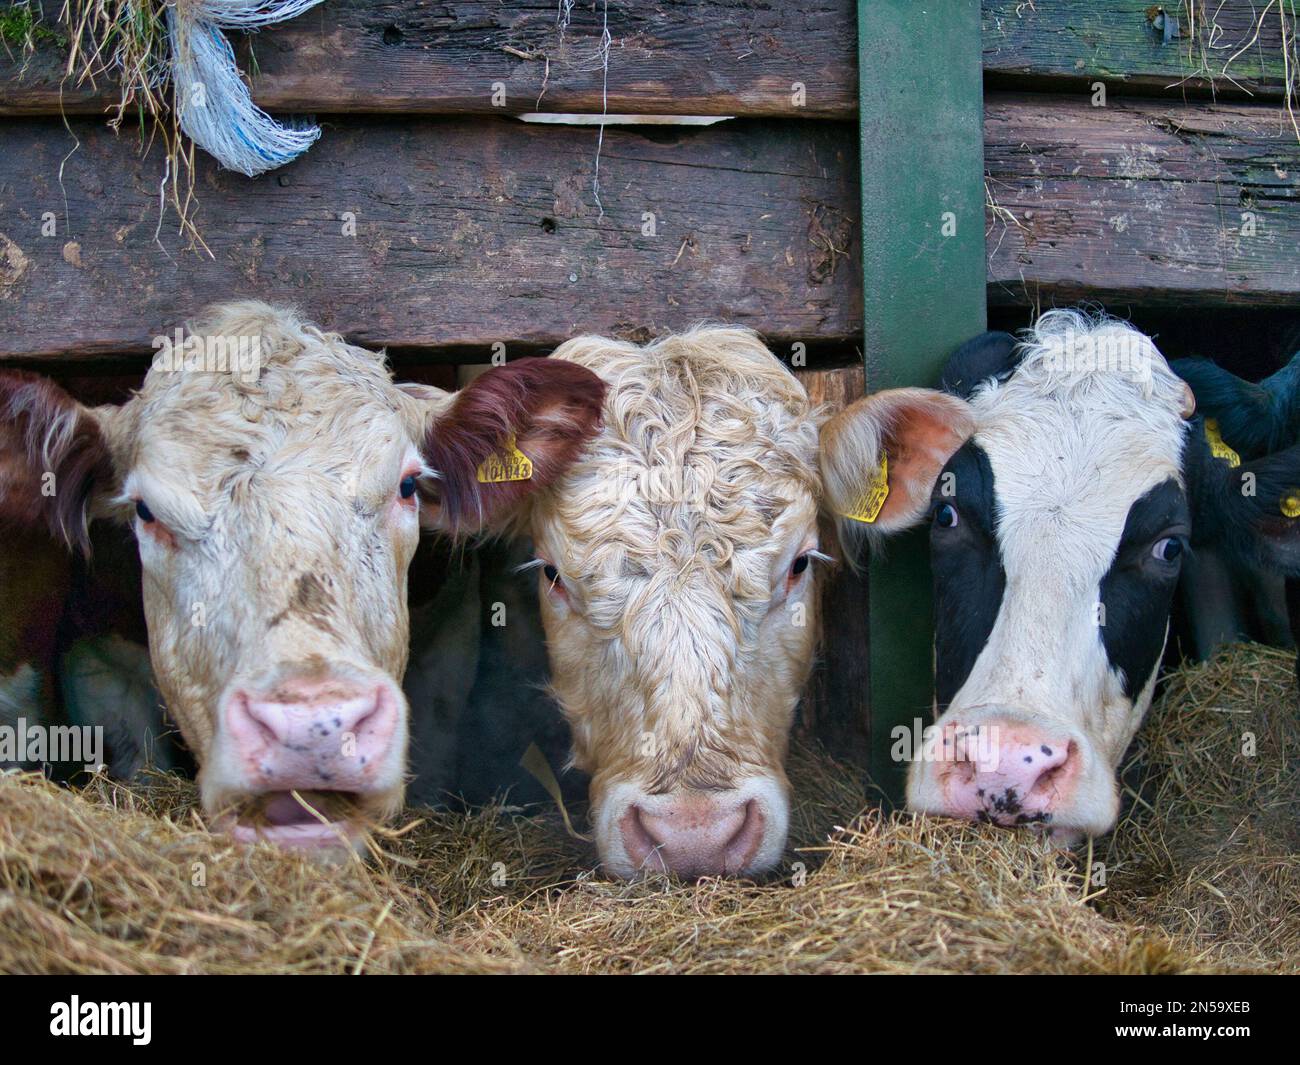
x=117, y=879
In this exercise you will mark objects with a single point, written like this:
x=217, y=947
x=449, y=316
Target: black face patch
x=1138, y=589
x=969, y=580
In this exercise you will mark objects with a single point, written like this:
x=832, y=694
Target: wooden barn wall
x=474, y=228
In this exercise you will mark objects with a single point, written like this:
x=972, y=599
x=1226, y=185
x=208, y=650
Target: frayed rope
x=216, y=109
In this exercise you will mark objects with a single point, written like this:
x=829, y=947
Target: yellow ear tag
x=1290, y=505
x=508, y=464
x=867, y=508
x=1218, y=448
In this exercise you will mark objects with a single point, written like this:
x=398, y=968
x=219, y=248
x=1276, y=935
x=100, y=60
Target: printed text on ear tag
x=1290, y=505
x=867, y=508
x=1218, y=448
x=508, y=464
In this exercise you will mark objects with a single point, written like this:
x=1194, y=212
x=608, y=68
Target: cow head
x=276, y=513
x=1063, y=482
x=676, y=568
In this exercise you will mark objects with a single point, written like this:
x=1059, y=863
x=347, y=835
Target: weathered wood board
x=1141, y=201
x=467, y=232
x=1236, y=46
x=836, y=707
x=741, y=57
x=715, y=57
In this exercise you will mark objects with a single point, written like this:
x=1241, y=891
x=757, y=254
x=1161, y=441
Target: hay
x=104, y=880
x=1210, y=851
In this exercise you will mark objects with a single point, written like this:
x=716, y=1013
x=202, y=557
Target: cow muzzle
x=307, y=760
x=1014, y=769
x=734, y=832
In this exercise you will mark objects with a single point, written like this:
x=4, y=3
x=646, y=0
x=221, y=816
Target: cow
x=676, y=564
x=34, y=581
x=1063, y=477
x=276, y=479
x=1248, y=421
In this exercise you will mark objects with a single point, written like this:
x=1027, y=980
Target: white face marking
x=1070, y=450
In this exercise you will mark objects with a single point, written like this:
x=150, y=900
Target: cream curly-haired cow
x=277, y=504
x=677, y=598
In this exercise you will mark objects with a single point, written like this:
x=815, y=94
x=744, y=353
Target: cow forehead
x=704, y=462
x=1072, y=449
x=323, y=412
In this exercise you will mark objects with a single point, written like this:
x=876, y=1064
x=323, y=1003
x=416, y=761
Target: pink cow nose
x=321, y=734
x=693, y=834
x=1008, y=773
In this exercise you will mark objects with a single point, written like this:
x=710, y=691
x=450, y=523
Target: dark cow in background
x=1063, y=478
x=72, y=635
x=34, y=578
x=1245, y=421
x=478, y=683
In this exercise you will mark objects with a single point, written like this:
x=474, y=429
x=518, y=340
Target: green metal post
x=922, y=109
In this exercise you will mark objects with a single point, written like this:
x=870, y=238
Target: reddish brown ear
x=52, y=458
x=551, y=409
x=916, y=430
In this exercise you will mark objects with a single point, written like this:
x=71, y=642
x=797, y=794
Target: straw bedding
x=1202, y=875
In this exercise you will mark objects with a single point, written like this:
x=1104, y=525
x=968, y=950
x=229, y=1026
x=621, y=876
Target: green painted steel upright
x=921, y=89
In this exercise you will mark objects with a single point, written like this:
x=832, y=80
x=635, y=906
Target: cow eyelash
x=155, y=529
x=803, y=560
x=550, y=573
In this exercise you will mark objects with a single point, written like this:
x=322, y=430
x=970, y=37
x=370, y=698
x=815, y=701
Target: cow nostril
x=243, y=707
x=641, y=844
x=1056, y=763
x=371, y=716
x=746, y=840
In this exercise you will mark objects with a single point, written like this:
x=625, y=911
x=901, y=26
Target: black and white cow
x=1064, y=479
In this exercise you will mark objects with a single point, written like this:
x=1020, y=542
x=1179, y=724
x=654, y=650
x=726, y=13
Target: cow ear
x=507, y=434
x=56, y=469
x=991, y=356
x=1254, y=419
x=909, y=433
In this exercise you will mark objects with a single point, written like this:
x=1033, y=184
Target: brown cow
x=275, y=504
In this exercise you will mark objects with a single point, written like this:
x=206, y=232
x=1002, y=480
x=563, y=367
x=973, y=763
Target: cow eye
x=551, y=574
x=1167, y=550
x=407, y=487
x=143, y=512
x=799, y=565
x=945, y=516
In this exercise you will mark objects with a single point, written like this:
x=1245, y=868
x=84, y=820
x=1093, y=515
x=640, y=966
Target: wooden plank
x=1141, y=202
x=923, y=285
x=836, y=705
x=708, y=57
x=1234, y=46
x=1136, y=203
x=467, y=232
x=713, y=57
